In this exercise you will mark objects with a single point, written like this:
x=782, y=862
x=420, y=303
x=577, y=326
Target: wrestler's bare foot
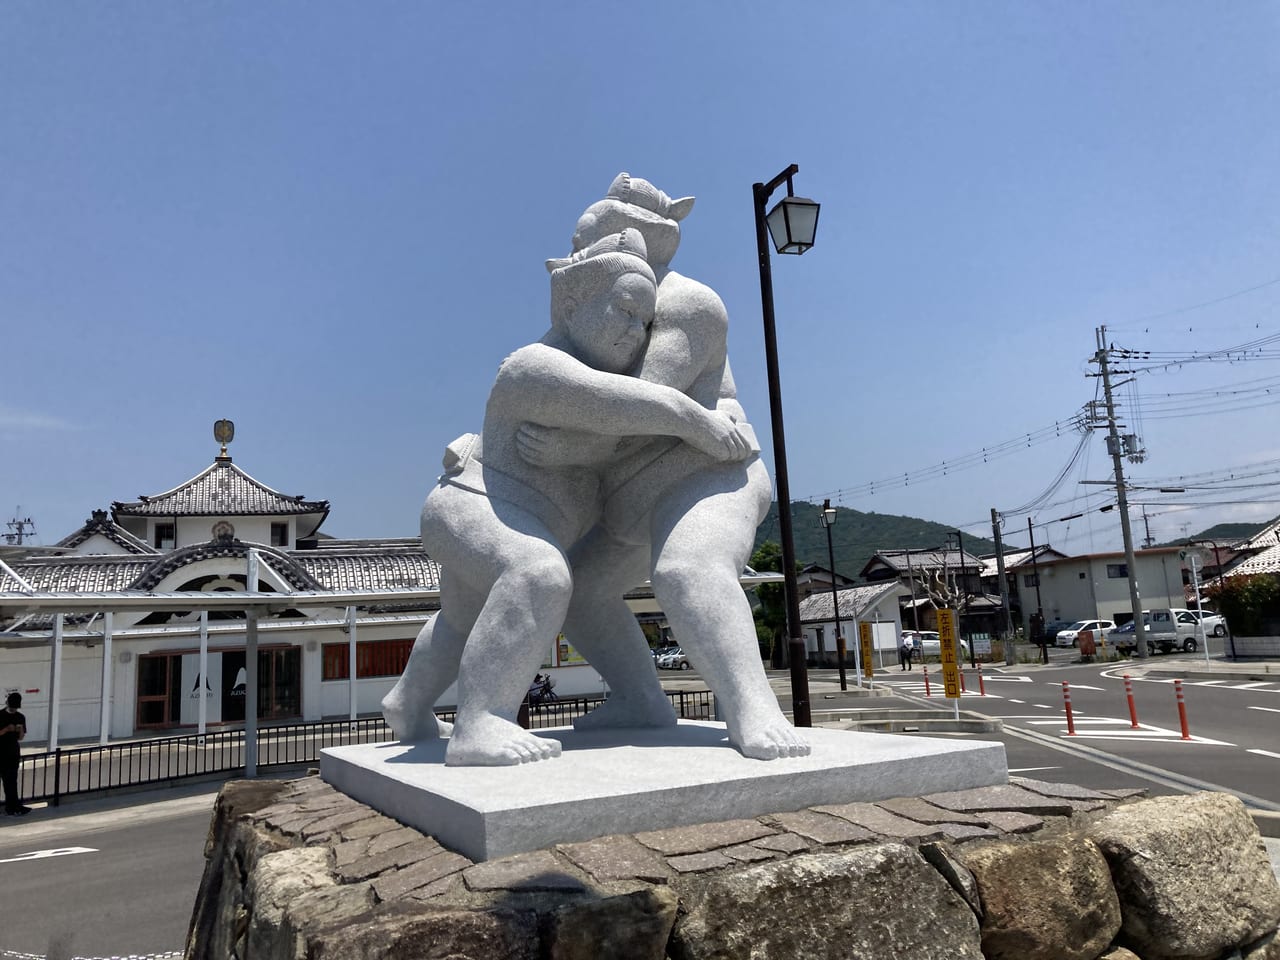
x=629, y=712
x=489, y=741
x=768, y=738
x=411, y=721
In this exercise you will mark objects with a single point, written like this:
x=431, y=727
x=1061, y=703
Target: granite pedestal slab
x=629, y=781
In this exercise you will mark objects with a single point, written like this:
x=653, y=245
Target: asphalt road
x=1234, y=724
x=103, y=879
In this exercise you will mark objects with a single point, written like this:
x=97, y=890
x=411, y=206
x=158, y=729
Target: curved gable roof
x=175, y=560
x=221, y=490
x=99, y=524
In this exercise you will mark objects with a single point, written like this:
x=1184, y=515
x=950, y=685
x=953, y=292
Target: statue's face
x=606, y=217
x=609, y=329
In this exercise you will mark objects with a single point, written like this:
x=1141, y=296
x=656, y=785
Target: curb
x=1268, y=822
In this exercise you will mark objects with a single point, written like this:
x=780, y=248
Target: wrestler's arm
x=687, y=339
x=558, y=390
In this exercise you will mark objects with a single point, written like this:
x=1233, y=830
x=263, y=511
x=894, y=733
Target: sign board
x=864, y=640
x=947, y=651
x=980, y=644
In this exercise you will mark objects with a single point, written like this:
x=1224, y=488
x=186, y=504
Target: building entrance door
x=159, y=690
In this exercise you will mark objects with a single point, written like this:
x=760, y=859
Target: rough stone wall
x=1029, y=870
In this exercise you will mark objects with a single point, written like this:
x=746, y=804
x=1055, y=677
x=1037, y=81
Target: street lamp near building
x=793, y=224
x=828, y=519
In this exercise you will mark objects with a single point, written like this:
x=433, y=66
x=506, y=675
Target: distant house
x=876, y=604
x=1258, y=554
x=935, y=578
x=1096, y=585
x=1018, y=565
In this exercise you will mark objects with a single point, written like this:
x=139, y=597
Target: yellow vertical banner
x=864, y=640
x=947, y=650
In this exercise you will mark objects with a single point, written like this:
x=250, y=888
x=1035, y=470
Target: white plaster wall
x=200, y=529
x=27, y=671
x=98, y=545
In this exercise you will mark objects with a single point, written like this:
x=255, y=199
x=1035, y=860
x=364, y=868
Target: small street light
x=793, y=223
x=828, y=519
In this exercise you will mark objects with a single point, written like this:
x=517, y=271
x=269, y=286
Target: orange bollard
x=1182, y=709
x=982, y=687
x=1133, y=711
x=962, y=690
x=1066, y=701
x=926, y=680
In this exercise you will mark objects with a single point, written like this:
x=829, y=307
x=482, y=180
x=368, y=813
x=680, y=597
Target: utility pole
x=1147, y=541
x=1122, y=498
x=1004, y=589
x=964, y=597
x=1035, y=573
x=21, y=527
x=915, y=611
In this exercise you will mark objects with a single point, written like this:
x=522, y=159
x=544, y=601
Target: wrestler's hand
x=722, y=439
x=543, y=446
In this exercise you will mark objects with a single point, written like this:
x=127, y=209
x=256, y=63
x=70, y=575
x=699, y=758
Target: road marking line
x=1251, y=686
x=1075, y=686
x=1011, y=700
x=1032, y=769
x=1155, y=734
x=1207, y=683
x=45, y=854
x=1044, y=706
x=1268, y=709
x=1266, y=753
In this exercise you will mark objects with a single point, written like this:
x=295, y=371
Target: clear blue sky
x=328, y=221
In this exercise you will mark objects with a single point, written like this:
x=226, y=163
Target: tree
x=1251, y=604
x=771, y=613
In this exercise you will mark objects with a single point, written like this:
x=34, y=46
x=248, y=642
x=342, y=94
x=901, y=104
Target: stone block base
x=1029, y=869
x=609, y=782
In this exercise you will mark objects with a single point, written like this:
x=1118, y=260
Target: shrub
x=1251, y=604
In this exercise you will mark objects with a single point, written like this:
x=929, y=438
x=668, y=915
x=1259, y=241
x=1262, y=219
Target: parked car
x=1069, y=636
x=673, y=660
x=929, y=644
x=1053, y=626
x=1215, y=624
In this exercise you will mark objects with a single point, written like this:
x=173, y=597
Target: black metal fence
x=74, y=771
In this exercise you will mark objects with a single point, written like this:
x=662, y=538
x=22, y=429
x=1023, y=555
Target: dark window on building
x=280, y=534
x=1030, y=580
x=374, y=658
x=1080, y=575
x=166, y=536
x=1117, y=570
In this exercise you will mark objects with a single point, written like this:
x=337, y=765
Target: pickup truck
x=1167, y=630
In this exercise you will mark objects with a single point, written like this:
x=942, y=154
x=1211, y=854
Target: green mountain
x=1222, y=532
x=857, y=536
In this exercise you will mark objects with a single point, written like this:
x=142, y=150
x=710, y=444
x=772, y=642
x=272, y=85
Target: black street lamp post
x=793, y=224
x=828, y=519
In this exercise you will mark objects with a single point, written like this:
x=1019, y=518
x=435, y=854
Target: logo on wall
x=242, y=680
x=195, y=688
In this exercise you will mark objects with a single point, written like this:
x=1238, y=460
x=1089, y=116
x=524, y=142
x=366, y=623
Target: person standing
x=13, y=728
x=906, y=651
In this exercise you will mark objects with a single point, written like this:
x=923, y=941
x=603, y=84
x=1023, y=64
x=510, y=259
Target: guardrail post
x=1182, y=709
x=57, y=776
x=1066, y=702
x=1133, y=711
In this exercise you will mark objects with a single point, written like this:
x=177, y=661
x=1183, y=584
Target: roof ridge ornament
x=224, y=431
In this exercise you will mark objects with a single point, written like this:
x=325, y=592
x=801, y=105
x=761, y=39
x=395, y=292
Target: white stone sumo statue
x=671, y=506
